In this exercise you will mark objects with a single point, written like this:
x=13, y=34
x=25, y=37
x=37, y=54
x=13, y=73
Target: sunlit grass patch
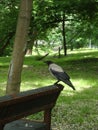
x=76, y=115
x=26, y=85
x=82, y=84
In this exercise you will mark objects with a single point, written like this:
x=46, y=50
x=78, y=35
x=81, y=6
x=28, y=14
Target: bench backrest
x=28, y=102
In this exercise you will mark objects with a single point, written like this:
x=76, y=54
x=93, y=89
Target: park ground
x=74, y=110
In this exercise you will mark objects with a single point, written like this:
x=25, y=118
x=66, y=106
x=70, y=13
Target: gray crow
x=59, y=73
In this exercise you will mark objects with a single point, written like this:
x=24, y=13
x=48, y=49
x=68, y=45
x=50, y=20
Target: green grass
x=75, y=110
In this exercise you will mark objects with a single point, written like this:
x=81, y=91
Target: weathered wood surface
x=14, y=107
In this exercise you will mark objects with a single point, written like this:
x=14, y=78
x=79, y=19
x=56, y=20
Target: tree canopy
x=47, y=18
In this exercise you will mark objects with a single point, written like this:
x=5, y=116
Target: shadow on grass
x=78, y=111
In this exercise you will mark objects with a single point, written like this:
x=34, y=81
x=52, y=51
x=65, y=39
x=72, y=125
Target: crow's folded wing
x=60, y=75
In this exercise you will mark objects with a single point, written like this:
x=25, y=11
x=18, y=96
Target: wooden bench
x=15, y=107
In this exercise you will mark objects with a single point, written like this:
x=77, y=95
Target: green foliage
x=87, y=9
x=8, y=20
x=47, y=16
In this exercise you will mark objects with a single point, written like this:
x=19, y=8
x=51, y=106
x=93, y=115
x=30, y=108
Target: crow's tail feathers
x=68, y=82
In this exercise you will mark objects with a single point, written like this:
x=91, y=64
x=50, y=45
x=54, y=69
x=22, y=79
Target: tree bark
x=20, y=43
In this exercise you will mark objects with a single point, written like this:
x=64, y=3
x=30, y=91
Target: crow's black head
x=48, y=62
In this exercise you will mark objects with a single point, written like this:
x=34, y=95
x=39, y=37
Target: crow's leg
x=56, y=82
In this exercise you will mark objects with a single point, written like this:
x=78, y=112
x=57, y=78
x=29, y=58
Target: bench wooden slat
x=13, y=107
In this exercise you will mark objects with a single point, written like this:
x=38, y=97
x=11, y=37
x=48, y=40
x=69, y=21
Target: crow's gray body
x=59, y=74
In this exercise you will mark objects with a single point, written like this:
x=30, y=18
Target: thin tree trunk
x=15, y=69
x=63, y=33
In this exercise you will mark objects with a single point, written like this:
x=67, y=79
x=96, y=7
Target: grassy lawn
x=75, y=110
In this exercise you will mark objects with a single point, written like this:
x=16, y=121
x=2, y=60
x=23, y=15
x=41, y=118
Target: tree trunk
x=30, y=44
x=15, y=68
x=63, y=33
